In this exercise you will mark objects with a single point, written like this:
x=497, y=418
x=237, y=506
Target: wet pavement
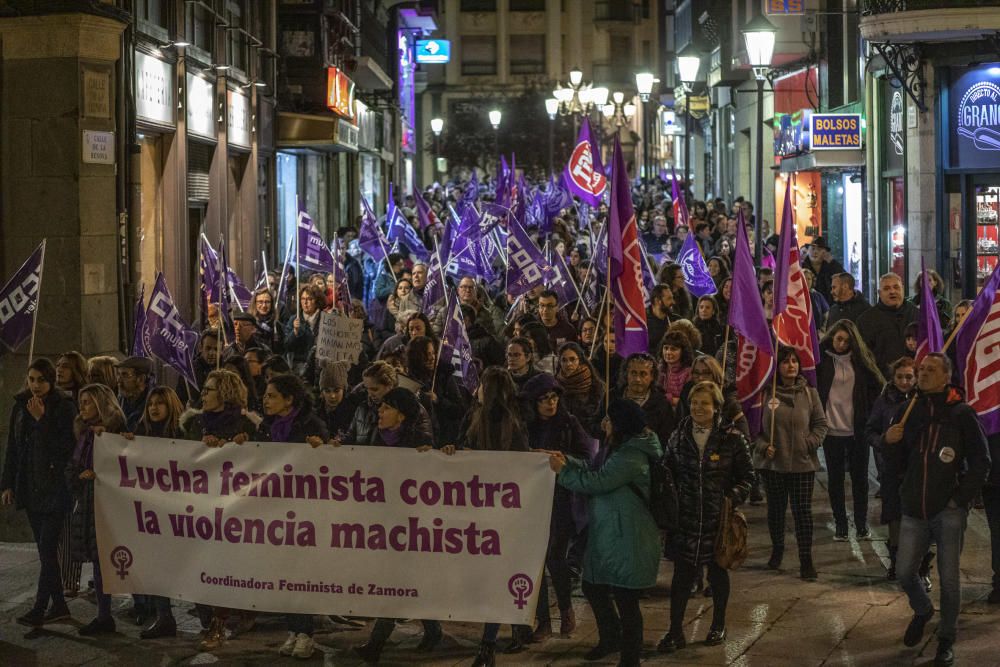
x=850, y=616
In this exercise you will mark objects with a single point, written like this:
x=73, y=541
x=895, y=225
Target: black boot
x=774, y=562
x=486, y=656
x=890, y=574
x=807, y=570
x=369, y=651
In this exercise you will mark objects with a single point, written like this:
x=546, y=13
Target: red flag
x=793, y=318
x=625, y=258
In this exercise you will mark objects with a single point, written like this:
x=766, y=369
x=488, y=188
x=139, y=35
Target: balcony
x=613, y=10
x=928, y=20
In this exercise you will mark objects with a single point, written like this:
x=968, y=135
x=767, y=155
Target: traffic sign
x=433, y=50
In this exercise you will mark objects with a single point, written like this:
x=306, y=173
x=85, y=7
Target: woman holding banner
x=98, y=412
x=623, y=546
x=288, y=417
x=39, y=444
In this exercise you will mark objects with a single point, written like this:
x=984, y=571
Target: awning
x=319, y=132
x=369, y=76
x=823, y=161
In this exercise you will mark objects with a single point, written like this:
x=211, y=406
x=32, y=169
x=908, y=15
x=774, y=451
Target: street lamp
x=644, y=85
x=759, y=36
x=688, y=64
x=552, y=108
x=578, y=97
x=495, y=116
x=437, y=124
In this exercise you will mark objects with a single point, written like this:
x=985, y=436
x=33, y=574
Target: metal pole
x=687, y=149
x=758, y=241
x=552, y=144
x=645, y=141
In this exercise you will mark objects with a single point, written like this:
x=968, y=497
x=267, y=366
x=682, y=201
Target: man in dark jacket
x=204, y=363
x=641, y=388
x=822, y=263
x=134, y=376
x=944, y=453
x=658, y=314
x=848, y=304
x=883, y=325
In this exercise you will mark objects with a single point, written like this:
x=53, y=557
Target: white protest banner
x=358, y=531
x=339, y=337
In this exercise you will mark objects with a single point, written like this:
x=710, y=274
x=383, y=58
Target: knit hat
x=403, y=400
x=627, y=418
x=333, y=375
x=540, y=385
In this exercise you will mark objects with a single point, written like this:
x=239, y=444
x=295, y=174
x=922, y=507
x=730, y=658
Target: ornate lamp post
x=759, y=36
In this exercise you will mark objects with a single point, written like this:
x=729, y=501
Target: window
x=238, y=19
x=479, y=55
x=527, y=5
x=527, y=54
x=479, y=5
x=152, y=11
x=200, y=27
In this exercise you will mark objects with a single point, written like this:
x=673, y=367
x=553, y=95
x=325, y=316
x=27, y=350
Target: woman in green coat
x=623, y=546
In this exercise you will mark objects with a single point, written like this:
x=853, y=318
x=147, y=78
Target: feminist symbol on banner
x=581, y=170
x=121, y=558
x=520, y=586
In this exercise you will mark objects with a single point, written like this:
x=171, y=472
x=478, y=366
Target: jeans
x=947, y=528
x=991, y=499
x=685, y=575
x=557, y=563
x=46, y=527
x=622, y=627
x=847, y=454
x=300, y=623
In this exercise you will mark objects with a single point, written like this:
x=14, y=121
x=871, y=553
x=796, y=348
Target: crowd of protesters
x=550, y=380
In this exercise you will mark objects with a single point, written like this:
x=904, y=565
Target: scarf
x=218, y=423
x=391, y=436
x=281, y=427
x=672, y=380
x=83, y=455
x=578, y=383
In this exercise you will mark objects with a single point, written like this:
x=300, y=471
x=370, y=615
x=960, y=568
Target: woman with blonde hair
x=101, y=370
x=99, y=412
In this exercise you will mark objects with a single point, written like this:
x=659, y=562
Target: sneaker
x=945, y=656
x=864, y=533
x=915, y=630
x=807, y=571
x=840, y=535
x=288, y=646
x=304, y=646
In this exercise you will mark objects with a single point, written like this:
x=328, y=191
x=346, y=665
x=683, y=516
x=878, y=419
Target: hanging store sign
x=835, y=131
x=154, y=90
x=200, y=107
x=784, y=7
x=339, y=93
x=433, y=51
x=975, y=117
x=238, y=128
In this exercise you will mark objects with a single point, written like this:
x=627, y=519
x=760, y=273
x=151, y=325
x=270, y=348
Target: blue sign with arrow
x=433, y=50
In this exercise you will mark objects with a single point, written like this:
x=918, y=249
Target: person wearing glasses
x=520, y=357
x=559, y=329
x=133, y=376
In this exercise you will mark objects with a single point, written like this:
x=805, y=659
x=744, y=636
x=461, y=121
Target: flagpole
x=586, y=277
x=607, y=330
x=263, y=256
x=222, y=319
x=444, y=285
x=725, y=355
x=913, y=401
x=38, y=303
x=774, y=408
x=298, y=285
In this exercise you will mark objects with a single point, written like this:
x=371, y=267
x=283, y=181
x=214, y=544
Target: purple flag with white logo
x=584, y=174
x=425, y=216
x=560, y=281
x=139, y=318
x=697, y=279
x=166, y=335
x=434, y=288
x=19, y=301
x=492, y=215
x=398, y=230
x=929, y=336
x=457, y=337
x=978, y=363
x=314, y=254
x=463, y=259
x=526, y=265
x=370, y=236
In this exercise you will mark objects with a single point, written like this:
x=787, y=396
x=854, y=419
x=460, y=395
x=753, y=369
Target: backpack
x=662, y=502
x=731, y=547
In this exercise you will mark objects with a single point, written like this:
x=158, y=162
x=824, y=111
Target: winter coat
x=712, y=335
x=943, y=453
x=82, y=525
x=886, y=406
x=661, y=418
x=847, y=310
x=867, y=387
x=413, y=433
x=306, y=424
x=588, y=409
x=227, y=427
x=485, y=346
x=703, y=480
x=943, y=307
x=364, y=426
x=452, y=402
x=298, y=345
x=134, y=408
x=338, y=420
x=188, y=394
x=799, y=429
x=623, y=543
x=37, y=453
x=882, y=329
x=732, y=410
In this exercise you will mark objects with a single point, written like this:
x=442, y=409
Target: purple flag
x=978, y=363
x=434, y=288
x=370, y=236
x=456, y=336
x=463, y=254
x=139, y=318
x=19, y=301
x=697, y=279
x=425, y=215
x=625, y=257
x=648, y=279
x=503, y=175
x=556, y=198
x=209, y=264
x=560, y=282
x=526, y=265
x=401, y=231
x=929, y=336
x=166, y=335
x=584, y=173
x=314, y=254
x=755, y=352
x=491, y=216
x=600, y=260
x=680, y=207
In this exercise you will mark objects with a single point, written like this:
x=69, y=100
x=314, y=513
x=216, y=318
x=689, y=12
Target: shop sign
x=433, y=51
x=835, y=131
x=98, y=147
x=784, y=7
x=339, y=93
x=893, y=132
x=200, y=107
x=154, y=90
x=347, y=134
x=238, y=125
x=975, y=117
x=406, y=86
x=788, y=134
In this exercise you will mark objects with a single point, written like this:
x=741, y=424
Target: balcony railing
x=872, y=7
